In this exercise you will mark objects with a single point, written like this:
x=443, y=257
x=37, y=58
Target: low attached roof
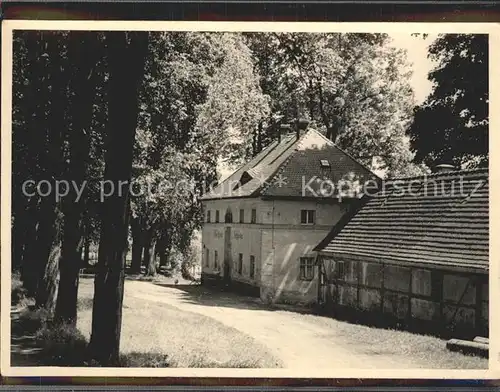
x=439, y=219
x=293, y=168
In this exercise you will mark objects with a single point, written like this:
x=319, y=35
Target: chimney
x=443, y=168
x=283, y=130
x=302, y=125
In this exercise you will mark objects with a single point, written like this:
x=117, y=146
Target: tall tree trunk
x=48, y=252
x=311, y=99
x=49, y=231
x=82, y=54
x=137, y=245
x=69, y=268
x=126, y=63
x=149, y=252
x=45, y=144
x=163, y=246
x=86, y=251
x=18, y=237
x=259, y=138
x=28, y=240
x=164, y=257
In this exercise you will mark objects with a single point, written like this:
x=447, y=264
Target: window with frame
x=228, y=218
x=240, y=263
x=252, y=267
x=254, y=216
x=207, y=257
x=216, y=259
x=242, y=216
x=208, y=216
x=307, y=217
x=340, y=270
x=217, y=216
x=306, y=270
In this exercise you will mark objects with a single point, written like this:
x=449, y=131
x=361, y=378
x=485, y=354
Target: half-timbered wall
x=415, y=296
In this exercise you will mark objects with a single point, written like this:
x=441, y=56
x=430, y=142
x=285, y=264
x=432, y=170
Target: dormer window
x=245, y=178
x=325, y=164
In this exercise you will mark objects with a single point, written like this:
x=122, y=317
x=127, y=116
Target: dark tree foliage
x=451, y=126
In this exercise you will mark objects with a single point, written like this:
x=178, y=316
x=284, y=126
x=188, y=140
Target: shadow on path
x=221, y=297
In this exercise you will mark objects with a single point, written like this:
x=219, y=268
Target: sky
x=416, y=49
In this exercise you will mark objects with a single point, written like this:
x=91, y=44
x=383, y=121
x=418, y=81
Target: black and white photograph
x=310, y=200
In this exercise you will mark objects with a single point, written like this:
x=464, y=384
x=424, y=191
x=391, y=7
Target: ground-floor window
x=252, y=266
x=306, y=268
x=340, y=270
x=216, y=259
x=240, y=263
x=207, y=257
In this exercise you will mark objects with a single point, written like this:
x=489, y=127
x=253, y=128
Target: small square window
x=306, y=268
x=307, y=217
x=254, y=216
x=240, y=263
x=217, y=216
x=242, y=216
x=252, y=267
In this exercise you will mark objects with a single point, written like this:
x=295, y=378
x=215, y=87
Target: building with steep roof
x=415, y=252
x=263, y=221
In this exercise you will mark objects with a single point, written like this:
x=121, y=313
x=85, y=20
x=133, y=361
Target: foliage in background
x=353, y=87
x=451, y=126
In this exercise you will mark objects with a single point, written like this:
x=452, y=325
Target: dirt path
x=300, y=341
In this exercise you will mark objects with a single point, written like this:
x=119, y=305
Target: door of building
x=227, y=256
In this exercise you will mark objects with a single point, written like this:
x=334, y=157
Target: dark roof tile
x=426, y=225
x=283, y=169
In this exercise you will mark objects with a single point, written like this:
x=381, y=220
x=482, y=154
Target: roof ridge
x=442, y=174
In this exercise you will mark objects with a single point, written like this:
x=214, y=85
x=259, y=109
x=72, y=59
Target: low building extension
x=416, y=253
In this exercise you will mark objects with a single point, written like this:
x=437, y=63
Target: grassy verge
x=430, y=351
x=153, y=335
x=36, y=339
x=175, y=338
x=18, y=296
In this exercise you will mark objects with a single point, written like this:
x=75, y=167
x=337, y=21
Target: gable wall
x=277, y=241
x=286, y=240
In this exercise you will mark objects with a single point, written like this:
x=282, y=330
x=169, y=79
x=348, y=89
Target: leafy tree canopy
x=451, y=126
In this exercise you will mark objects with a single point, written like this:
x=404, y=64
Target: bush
x=62, y=344
x=19, y=296
x=34, y=319
x=189, y=261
